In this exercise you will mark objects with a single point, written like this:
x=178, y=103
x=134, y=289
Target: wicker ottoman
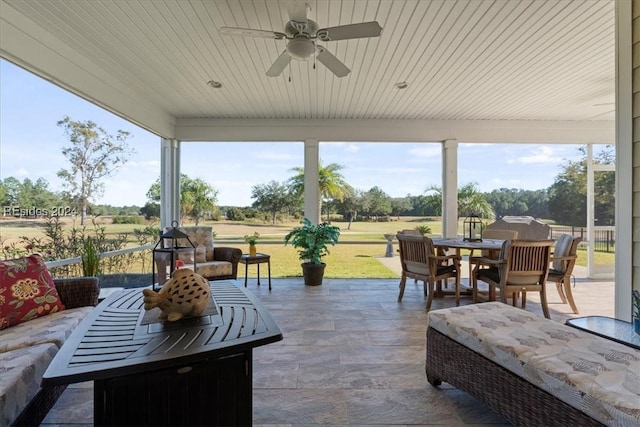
x=533, y=370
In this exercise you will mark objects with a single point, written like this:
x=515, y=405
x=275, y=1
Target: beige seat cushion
x=213, y=268
x=187, y=256
x=54, y=328
x=20, y=373
x=561, y=249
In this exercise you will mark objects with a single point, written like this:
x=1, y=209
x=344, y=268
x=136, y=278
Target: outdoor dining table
x=458, y=244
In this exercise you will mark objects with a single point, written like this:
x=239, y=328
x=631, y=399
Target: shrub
x=216, y=215
x=128, y=219
x=251, y=212
x=235, y=214
x=151, y=210
x=61, y=243
x=149, y=234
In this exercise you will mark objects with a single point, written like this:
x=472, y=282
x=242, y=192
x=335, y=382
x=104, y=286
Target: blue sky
x=31, y=142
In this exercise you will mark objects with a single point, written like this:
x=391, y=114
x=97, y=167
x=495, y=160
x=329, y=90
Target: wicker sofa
x=534, y=371
x=27, y=348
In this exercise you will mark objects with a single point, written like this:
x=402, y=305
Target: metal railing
x=78, y=260
x=604, y=237
x=604, y=242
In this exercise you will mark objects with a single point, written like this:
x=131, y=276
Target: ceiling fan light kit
x=301, y=49
x=302, y=34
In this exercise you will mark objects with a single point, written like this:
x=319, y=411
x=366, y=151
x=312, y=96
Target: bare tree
x=94, y=155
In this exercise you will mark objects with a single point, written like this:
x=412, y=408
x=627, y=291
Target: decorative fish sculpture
x=185, y=294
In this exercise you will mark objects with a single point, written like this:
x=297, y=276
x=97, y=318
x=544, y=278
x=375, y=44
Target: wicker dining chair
x=563, y=260
x=419, y=261
x=522, y=267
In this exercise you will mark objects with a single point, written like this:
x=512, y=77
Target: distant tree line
x=563, y=202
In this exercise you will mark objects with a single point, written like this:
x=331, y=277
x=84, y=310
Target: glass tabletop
x=608, y=327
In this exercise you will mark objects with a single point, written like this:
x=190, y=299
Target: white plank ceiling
x=462, y=59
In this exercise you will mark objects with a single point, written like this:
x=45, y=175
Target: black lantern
x=472, y=227
x=173, y=247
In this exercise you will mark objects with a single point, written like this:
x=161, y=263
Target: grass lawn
x=344, y=261
x=348, y=259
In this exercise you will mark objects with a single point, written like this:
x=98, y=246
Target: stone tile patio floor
x=353, y=355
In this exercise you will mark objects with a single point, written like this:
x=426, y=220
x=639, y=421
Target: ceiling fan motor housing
x=295, y=28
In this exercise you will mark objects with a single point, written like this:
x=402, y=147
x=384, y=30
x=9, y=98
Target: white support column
x=594, y=270
x=590, y=211
x=169, y=182
x=450, y=188
x=311, y=178
x=624, y=162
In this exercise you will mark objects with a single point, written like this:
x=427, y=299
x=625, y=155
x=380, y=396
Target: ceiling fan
x=302, y=34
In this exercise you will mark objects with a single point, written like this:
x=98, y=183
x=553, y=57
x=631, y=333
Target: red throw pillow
x=26, y=291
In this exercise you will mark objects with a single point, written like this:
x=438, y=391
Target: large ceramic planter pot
x=313, y=273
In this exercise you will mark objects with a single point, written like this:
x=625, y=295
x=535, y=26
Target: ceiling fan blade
x=351, y=31
x=297, y=10
x=249, y=32
x=334, y=65
x=279, y=65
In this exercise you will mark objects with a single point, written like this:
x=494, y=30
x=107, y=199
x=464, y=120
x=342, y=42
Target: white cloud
x=542, y=154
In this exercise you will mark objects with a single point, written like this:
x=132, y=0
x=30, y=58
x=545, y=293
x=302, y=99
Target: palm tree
x=473, y=202
x=470, y=201
x=196, y=197
x=331, y=184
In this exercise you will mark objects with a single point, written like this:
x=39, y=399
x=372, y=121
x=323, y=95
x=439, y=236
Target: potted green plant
x=312, y=241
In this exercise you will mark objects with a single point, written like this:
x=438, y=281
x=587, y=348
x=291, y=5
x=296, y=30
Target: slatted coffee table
x=195, y=371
